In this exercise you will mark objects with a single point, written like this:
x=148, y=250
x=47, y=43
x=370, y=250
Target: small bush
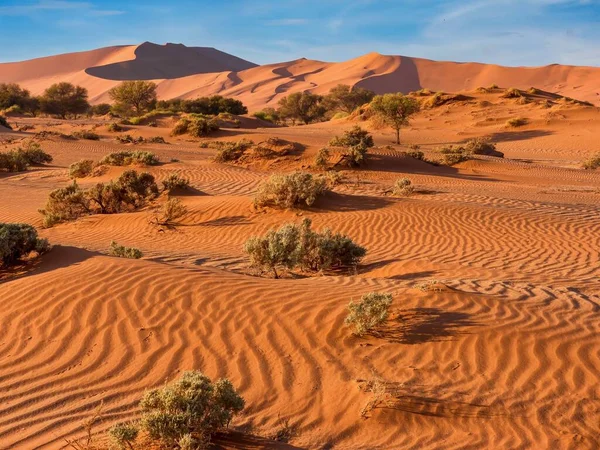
x=34, y=155
x=403, y=187
x=157, y=140
x=231, y=151
x=592, y=163
x=115, y=128
x=181, y=127
x=516, y=122
x=298, y=246
x=322, y=158
x=129, y=139
x=450, y=159
x=200, y=127
x=171, y=210
x=369, y=312
x=512, y=93
x=124, y=435
x=81, y=169
x=64, y=204
x=4, y=123
x=126, y=158
x=13, y=161
x=268, y=115
x=191, y=405
x=87, y=134
x=494, y=86
x=174, y=181
x=287, y=191
x=354, y=137
x=101, y=109
x=416, y=155
x=124, y=252
x=18, y=240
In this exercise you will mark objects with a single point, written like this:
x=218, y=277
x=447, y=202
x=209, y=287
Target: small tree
x=136, y=96
x=347, y=99
x=395, y=110
x=303, y=106
x=11, y=94
x=63, y=99
x=191, y=405
x=369, y=312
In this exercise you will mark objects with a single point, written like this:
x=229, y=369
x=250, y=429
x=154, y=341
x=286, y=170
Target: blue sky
x=509, y=32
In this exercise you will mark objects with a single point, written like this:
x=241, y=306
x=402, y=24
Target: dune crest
x=189, y=72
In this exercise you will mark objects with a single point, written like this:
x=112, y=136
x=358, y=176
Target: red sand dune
x=189, y=72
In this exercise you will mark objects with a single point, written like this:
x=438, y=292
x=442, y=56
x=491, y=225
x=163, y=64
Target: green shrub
x=416, y=155
x=126, y=158
x=369, y=312
x=231, y=151
x=101, y=109
x=592, y=163
x=403, y=187
x=268, y=115
x=174, y=181
x=124, y=252
x=34, y=155
x=64, y=204
x=18, y=240
x=191, y=405
x=294, y=246
x=115, y=128
x=81, y=169
x=516, y=122
x=353, y=137
x=4, y=123
x=287, y=191
x=129, y=192
x=479, y=146
x=129, y=139
x=124, y=435
x=181, y=127
x=322, y=158
x=87, y=134
x=200, y=127
x=450, y=159
x=13, y=161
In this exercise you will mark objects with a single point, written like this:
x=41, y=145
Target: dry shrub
x=170, y=212
x=124, y=252
x=369, y=312
x=512, y=93
x=516, y=122
x=86, y=134
x=126, y=158
x=287, y=191
x=353, y=137
x=592, y=163
x=81, y=169
x=230, y=151
x=174, y=181
x=403, y=187
x=293, y=246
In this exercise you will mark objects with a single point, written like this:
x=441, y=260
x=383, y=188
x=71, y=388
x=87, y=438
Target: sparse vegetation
x=403, y=187
x=81, y=169
x=124, y=252
x=395, y=110
x=123, y=435
x=213, y=106
x=287, y=191
x=170, y=211
x=231, y=151
x=293, y=246
x=87, y=134
x=303, y=106
x=126, y=158
x=592, y=163
x=4, y=123
x=369, y=312
x=129, y=139
x=20, y=159
x=322, y=158
x=115, y=128
x=174, y=181
x=129, y=192
x=516, y=122
x=356, y=142
x=268, y=115
x=195, y=126
x=157, y=140
x=18, y=241
x=512, y=93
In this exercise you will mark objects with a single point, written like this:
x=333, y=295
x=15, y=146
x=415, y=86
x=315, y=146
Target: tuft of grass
x=516, y=122
x=592, y=163
x=124, y=252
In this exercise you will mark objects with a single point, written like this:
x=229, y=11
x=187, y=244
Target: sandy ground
x=506, y=356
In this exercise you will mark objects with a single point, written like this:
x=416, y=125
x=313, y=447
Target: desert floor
x=502, y=352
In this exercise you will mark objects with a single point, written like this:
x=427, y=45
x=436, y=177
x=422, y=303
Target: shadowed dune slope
x=189, y=72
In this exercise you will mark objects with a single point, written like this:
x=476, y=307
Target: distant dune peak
x=169, y=61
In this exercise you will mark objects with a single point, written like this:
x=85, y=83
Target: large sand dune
x=189, y=72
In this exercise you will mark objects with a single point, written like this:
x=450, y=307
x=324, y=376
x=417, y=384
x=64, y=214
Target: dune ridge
x=189, y=72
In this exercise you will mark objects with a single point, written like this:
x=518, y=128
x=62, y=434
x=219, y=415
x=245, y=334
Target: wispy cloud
x=287, y=22
x=41, y=6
